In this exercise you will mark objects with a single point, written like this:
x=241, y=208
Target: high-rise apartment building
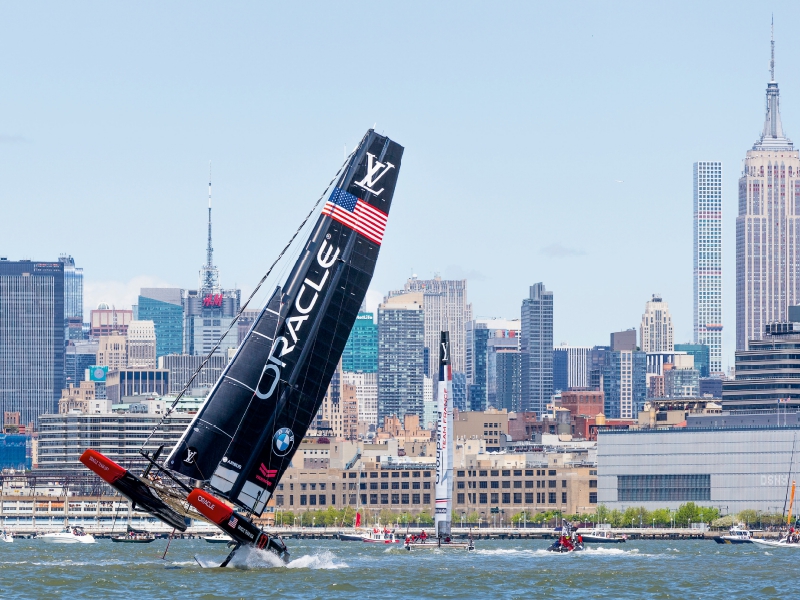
x=446, y=309
x=361, y=351
x=164, y=307
x=655, y=331
x=31, y=337
x=767, y=227
x=401, y=340
x=707, y=242
x=536, y=348
x=570, y=367
x=484, y=337
x=624, y=383
x=507, y=392
x=701, y=354
x=79, y=356
x=142, y=345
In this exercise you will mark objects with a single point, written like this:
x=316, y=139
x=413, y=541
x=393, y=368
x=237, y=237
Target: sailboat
x=791, y=539
x=444, y=461
x=133, y=536
x=230, y=460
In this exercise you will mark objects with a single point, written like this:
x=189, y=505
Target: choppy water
x=332, y=569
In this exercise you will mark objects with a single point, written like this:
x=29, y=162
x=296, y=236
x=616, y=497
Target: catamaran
x=229, y=461
x=444, y=461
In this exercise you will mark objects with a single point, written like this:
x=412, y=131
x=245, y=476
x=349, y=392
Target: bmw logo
x=283, y=441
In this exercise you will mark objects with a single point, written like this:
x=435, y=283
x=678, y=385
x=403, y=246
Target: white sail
x=444, y=441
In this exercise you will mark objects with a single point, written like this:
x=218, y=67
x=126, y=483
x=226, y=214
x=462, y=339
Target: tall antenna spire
x=772, y=48
x=209, y=249
x=209, y=275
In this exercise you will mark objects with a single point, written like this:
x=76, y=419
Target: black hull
x=128, y=541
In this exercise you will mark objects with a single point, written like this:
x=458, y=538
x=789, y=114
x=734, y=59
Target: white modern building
x=731, y=469
x=707, y=242
x=366, y=385
x=655, y=331
x=142, y=344
x=767, y=227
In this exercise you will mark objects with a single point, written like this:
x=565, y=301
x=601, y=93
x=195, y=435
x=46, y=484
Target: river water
x=333, y=569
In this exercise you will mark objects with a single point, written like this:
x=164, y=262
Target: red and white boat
x=380, y=536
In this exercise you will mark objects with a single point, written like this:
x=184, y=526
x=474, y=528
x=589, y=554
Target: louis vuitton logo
x=375, y=170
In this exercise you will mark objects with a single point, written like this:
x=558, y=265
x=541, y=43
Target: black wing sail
x=277, y=393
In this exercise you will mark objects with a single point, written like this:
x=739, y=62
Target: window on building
x=460, y=498
x=507, y=473
x=406, y=474
x=563, y=483
x=551, y=498
x=414, y=498
x=495, y=498
x=303, y=487
x=385, y=475
x=364, y=499
x=373, y=498
x=415, y=485
x=415, y=474
x=373, y=475
x=291, y=500
x=496, y=473
x=426, y=473
x=396, y=474
x=404, y=485
x=484, y=484
x=426, y=498
x=426, y=485
x=592, y=497
x=322, y=499
x=506, y=498
x=517, y=485
x=279, y=500
x=506, y=485
x=483, y=473
x=529, y=473
x=494, y=484
x=593, y=483
x=460, y=485
x=303, y=500
x=563, y=497
x=351, y=475
x=395, y=485
x=459, y=473
x=529, y=484
x=663, y=488
x=312, y=500
x=483, y=498
x=395, y=498
x=373, y=485
x=517, y=473
x=551, y=483
x=528, y=497
x=517, y=498
x=404, y=498
x=551, y=473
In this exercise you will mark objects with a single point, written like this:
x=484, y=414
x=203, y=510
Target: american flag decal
x=359, y=216
x=233, y=521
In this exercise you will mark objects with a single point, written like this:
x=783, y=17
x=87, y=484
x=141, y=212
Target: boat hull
x=136, y=489
x=67, y=539
x=776, y=544
x=723, y=539
x=132, y=541
x=602, y=540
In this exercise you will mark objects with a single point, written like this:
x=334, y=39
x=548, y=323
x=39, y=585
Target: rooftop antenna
x=209, y=249
x=209, y=276
x=772, y=48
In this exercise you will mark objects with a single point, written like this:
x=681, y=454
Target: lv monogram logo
x=375, y=170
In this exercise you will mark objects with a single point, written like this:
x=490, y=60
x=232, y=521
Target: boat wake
x=252, y=558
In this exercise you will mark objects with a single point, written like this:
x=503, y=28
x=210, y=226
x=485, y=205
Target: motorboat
x=569, y=540
x=787, y=541
x=219, y=538
x=736, y=535
x=380, y=536
x=7, y=537
x=69, y=535
x=599, y=535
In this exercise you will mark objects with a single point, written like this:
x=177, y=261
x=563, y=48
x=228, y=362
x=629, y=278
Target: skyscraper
x=707, y=241
x=483, y=338
x=142, y=345
x=361, y=351
x=73, y=298
x=536, y=348
x=164, y=307
x=655, y=331
x=401, y=339
x=570, y=367
x=210, y=310
x=624, y=383
x=31, y=337
x=446, y=309
x=767, y=227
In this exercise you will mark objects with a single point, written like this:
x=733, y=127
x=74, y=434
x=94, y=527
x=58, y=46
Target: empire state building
x=767, y=227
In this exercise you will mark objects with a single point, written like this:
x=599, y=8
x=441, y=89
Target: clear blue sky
x=518, y=120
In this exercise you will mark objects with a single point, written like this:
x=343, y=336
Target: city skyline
x=262, y=170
